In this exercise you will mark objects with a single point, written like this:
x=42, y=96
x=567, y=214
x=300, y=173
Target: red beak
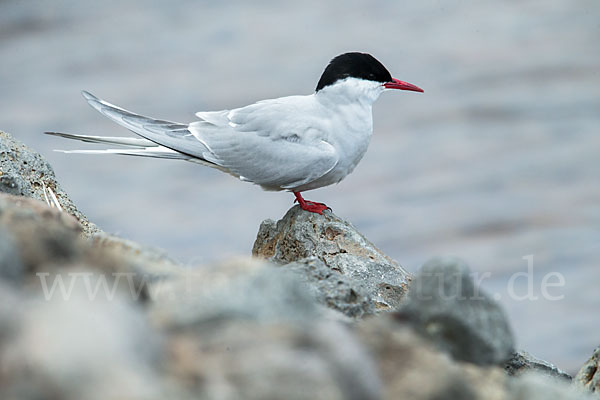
x=398, y=84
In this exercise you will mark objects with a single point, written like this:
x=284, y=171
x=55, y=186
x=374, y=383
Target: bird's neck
x=350, y=91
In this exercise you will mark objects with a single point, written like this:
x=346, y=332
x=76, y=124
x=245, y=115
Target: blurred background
x=497, y=161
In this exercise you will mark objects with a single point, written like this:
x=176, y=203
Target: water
x=497, y=161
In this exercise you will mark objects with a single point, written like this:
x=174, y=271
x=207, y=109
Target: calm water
x=497, y=161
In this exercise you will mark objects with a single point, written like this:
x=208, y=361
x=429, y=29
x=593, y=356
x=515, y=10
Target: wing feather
x=268, y=143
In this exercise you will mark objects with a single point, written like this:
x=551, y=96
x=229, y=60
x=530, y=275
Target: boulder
x=348, y=271
x=87, y=315
x=45, y=253
x=412, y=367
x=445, y=306
x=45, y=232
x=245, y=329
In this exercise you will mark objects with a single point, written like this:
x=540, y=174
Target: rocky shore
x=318, y=312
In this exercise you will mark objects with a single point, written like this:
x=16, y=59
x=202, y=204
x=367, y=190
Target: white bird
x=293, y=143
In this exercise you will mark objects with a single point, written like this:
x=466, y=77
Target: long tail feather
x=155, y=152
x=169, y=134
x=159, y=138
x=122, y=141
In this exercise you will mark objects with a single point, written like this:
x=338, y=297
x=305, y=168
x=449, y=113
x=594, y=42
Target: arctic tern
x=293, y=143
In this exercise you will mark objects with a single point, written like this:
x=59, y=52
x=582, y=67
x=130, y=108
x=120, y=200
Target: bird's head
x=359, y=76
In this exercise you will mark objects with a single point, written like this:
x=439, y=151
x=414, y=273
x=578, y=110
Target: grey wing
x=172, y=135
x=283, y=156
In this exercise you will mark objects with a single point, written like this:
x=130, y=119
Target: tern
x=293, y=143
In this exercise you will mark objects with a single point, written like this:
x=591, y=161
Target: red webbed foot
x=310, y=206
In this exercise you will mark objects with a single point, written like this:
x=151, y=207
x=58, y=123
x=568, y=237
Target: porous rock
x=334, y=290
x=445, y=306
x=25, y=172
x=588, y=377
x=333, y=251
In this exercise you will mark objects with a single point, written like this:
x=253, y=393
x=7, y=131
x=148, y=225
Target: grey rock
x=370, y=281
x=334, y=290
x=247, y=329
x=522, y=361
x=588, y=377
x=41, y=243
x=41, y=235
x=412, y=368
x=153, y=262
x=24, y=172
x=444, y=305
x=243, y=359
x=9, y=184
x=240, y=289
x=77, y=348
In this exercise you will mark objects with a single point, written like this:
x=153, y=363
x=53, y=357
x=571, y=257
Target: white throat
x=351, y=90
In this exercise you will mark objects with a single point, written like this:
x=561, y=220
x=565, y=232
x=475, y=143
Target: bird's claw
x=311, y=206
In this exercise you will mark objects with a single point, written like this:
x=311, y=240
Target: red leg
x=310, y=206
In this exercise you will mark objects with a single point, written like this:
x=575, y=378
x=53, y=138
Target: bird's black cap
x=355, y=65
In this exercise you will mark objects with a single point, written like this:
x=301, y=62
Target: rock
x=87, y=315
x=522, y=361
x=243, y=359
x=331, y=251
x=78, y=349
x=147, y=260
x=42, y=234
x=588, y=377
x=412, y=368
x=242, y=288
x=248, y=330
x=24, y=172
x=44, y=246
x=444, y=305
x=334, y=290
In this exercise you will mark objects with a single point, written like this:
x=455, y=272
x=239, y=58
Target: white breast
x=349, y=107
